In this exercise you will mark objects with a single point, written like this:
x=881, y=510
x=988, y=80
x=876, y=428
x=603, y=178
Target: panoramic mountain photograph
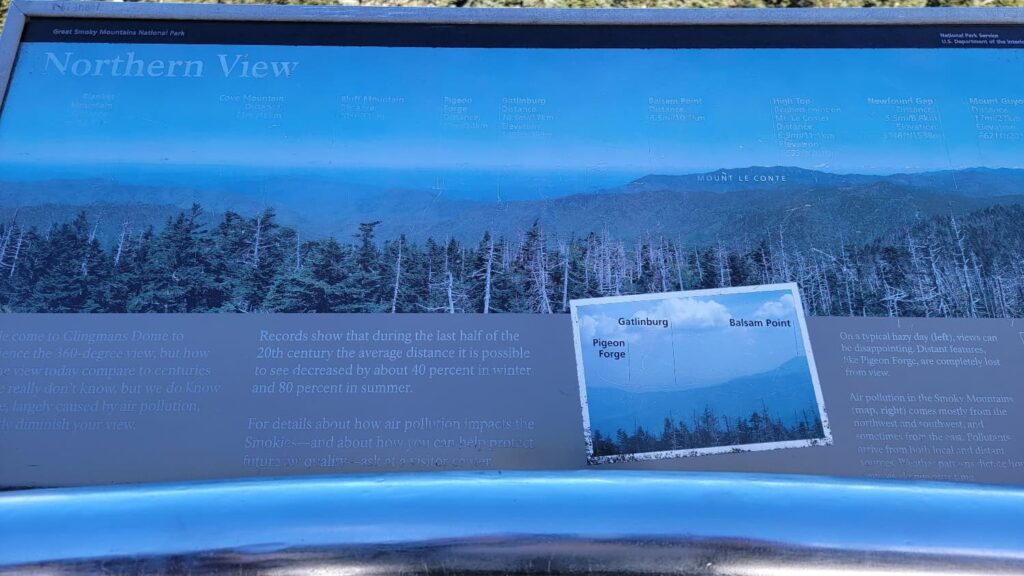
x=362, y=181
x=683, y=375
x=938, y=244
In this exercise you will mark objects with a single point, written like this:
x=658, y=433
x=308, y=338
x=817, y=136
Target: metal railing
x=518, y=523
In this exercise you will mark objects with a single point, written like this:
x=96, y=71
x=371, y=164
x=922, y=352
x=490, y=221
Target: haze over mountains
x=787, y=392
x=735, y=207
x=974, y=182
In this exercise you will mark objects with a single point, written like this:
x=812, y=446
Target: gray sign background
x=95, y=399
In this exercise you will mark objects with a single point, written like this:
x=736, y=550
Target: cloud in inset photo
x=783, y=306
x=690, y=313
x=604, y=326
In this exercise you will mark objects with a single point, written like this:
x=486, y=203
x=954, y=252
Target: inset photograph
x=696, y=372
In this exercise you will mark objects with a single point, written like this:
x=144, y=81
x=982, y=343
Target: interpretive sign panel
x=244, y=241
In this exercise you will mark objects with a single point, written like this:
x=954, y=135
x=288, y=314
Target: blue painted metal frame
x=861, y=521
x=963, y=528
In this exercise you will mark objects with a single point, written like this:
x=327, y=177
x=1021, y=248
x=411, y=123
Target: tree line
x=706, y=430
x=968, y=266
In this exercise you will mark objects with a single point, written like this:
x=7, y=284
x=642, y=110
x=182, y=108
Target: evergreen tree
x=266, y=251
x=329, y=270
x=70, y=272
x=182, y=277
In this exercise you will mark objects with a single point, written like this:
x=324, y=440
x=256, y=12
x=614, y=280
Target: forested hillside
x=706, y=430
x=693, y=209
x=944, y=265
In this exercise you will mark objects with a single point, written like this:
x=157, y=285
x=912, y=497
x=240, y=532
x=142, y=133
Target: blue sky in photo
x=699, y=348
x=596, y=111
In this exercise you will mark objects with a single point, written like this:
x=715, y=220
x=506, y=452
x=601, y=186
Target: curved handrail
x=627, y=522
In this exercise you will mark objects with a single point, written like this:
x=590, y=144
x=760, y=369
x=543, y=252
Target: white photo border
x=825, y=440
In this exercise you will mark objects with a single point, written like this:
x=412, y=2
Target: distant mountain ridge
x=749, y=178
x=787, y=392
x=735, y=206
x=973, y=182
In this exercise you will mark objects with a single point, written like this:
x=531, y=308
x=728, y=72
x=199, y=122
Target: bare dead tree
x=257, y=242
x=724, y=273
x=488, y=267
x=565, y=276
x=122, y=240
x=398, y=276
